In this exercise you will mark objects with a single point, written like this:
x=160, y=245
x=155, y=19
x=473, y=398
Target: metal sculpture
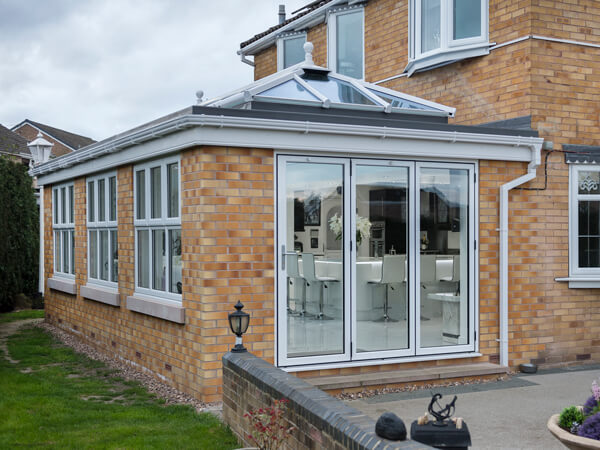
x=442, y=414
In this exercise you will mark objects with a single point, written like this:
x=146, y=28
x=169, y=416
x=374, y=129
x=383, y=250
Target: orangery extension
x=346, y=217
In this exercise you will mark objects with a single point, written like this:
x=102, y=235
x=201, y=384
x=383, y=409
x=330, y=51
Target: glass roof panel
x=337, y=91
x=291, y=90
x=398, y=102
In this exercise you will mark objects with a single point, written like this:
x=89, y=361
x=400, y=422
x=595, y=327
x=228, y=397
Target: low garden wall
x=320, y=420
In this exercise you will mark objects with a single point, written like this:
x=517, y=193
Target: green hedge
x=19, y=233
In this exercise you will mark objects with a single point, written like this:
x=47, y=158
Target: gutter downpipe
x=504, y=189
x=41, y=268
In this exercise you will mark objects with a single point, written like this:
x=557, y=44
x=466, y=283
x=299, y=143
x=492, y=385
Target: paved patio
x=508, y=414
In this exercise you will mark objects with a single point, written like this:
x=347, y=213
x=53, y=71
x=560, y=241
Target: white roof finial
x=199, y=95
x=308, y=49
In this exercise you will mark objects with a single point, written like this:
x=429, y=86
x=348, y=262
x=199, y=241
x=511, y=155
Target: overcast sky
x=99, y=67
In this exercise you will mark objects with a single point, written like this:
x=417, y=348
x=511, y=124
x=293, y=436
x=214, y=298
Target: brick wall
x=227, y=238
x=320, y=421
x=30, y=133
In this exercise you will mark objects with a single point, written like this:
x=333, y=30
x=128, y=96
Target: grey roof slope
x=12, y=143
x=75, y=141
x=304, y=11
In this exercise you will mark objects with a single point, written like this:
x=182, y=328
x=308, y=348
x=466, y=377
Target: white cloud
x=103, y=66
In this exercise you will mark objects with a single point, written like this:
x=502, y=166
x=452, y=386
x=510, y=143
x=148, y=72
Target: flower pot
x=569, y=440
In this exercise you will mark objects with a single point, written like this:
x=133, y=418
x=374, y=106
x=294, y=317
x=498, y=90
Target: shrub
x=570, y=415
x=19, y=235
x=268, y=430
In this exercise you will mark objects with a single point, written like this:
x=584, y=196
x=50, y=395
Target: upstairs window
x=158, y=228
x=103, y=253
x=290, y=50
x=443, y=31
x=63, y=228
x=345, y=30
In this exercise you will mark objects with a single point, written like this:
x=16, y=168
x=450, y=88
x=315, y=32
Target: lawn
x=54, y=397
x=22, y=315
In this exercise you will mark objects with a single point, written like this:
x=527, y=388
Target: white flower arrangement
x=363, y=227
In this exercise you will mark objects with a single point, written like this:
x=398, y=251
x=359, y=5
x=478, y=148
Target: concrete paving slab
x=501, y=415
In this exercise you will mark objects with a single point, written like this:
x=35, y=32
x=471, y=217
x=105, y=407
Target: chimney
x=281, y=13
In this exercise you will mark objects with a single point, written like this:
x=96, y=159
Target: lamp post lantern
x=238, y=322
x=40, y=149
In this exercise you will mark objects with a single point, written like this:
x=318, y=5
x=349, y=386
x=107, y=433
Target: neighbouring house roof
x=310, y=15
x=303, y=108
x=71, y=140
x=12, y=143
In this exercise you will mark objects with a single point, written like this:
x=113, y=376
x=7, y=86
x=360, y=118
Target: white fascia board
x=194, y=130
x=309, y=20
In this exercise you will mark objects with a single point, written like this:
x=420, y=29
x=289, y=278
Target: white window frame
x=591, y=273
x=332, y=36
x=97, y=225
x=281, y=47
x=59, y=226
x=450, y=49
x=162, y=223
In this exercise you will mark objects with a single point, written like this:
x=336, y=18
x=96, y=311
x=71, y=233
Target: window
x=585, y=221
x=63, y=228
x=158, y=228
x=445, y=31
x=103, y=250
x=290, y=50
x=345, y=30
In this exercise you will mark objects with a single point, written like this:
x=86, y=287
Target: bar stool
x=293, y=274
x=308, y=268
x=393, y=270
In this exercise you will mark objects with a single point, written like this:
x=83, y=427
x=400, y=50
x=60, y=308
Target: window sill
x=156, y=307
x=63, y=284
x=101, y=294
x=446, y=56
x=581, y=283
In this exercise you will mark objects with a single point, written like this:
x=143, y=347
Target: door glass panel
x=443, y=240
x=314, y=259
x=381, y=288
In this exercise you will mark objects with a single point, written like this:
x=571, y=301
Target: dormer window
x=345, y=29
x=290, y=50
x=443, y=31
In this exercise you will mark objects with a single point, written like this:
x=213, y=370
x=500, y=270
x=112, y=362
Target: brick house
x=459, y=248
x=64, y=141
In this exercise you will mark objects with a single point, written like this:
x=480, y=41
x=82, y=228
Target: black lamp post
x=239, y=321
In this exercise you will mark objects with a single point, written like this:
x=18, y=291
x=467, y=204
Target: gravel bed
x=169, y=394
x=410, y=388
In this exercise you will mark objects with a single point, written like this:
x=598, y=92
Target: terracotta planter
x=570, y=440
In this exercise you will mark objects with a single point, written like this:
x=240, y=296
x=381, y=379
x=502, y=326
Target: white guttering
x=302, y=127
x=504, y=190
x=41, y=268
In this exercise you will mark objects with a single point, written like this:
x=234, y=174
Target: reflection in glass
x=93, y=254
x=114, y=252
x=337, y=91
x=175, y=261
x=349, y=41
x=64, y=205
x=104, y=255
x=315, y=303
x=65, y=255
x=430, y=25
x=398, y=102
x=444, y=256
x=140, y=194
x=101, y=200
x=159, y=261
x=290, y=89
x=293, y=51
x=155, y=192
x=173, y=189
x=57, y=252
x=71, y=204
x=91, y=202
x=381, y=287
x=143, y=260
x=467, y=18
x=589, y=233
x=112, y=181
x=72, y=234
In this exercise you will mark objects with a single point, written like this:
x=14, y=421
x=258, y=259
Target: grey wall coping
x=101, y=294
x=348, y=425
x=166, y=310
x=63, y=285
